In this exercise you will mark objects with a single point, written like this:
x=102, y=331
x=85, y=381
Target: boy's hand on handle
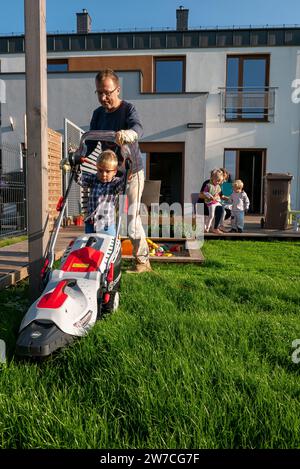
x=65, y=165
x=72, y=149
x=119, y=138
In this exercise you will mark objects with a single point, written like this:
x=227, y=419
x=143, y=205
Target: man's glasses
x=107, y=94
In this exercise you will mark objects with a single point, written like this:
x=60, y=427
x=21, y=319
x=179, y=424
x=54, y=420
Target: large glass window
x=62, y=43
x=247, y=87
x=230, y=162
x=169, y=75
x=3, y=45
x=16, y=44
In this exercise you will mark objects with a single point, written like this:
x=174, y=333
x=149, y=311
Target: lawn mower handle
x=77, y=158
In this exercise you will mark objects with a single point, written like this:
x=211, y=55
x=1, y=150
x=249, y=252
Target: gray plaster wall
x=164, y=116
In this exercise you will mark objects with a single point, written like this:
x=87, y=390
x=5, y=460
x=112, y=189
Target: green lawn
x=14, y=240
x=196, y=357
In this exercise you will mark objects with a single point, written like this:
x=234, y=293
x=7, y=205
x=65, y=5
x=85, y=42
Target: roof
x=163, y=39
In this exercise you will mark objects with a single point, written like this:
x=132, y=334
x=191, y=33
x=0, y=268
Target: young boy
x=240, y=203
x=104, y=186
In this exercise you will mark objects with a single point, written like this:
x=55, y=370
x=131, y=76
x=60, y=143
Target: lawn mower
x=86, y=284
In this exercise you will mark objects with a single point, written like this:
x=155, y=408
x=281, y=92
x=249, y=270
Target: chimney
x=84, y=22
x=182, y=16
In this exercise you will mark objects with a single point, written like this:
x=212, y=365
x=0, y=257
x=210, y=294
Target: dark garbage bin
x=277, y=197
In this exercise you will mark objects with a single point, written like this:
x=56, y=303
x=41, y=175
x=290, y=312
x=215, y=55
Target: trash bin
x=277, y=197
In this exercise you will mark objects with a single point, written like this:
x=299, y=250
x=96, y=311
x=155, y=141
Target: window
x=292, y=37
x=78, y=42
x=142, y=41
x=224, y=38
x=208, y=39
x=3, y=45
x=57, y=65
x=109, y=41
x=247, y=87
x=174, y=40
x=191, y=39
x=241, y=38
x=258, y=37
x=93, y=41
x=50, y=43
x=62, y=43
x=16, y=44
x=169, y=75
x=158, y=40
x=230, y=157
x=125, y=41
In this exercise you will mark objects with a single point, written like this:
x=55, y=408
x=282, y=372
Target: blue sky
x=130, y=14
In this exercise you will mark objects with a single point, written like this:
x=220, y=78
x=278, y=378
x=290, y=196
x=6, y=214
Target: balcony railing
x=247, y=104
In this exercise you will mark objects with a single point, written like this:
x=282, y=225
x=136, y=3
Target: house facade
x=207, y=98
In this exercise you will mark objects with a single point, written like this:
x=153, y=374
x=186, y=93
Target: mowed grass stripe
x=196, y=357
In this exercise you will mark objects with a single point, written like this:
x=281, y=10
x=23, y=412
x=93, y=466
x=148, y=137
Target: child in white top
x=212, y=193
x=240, y=203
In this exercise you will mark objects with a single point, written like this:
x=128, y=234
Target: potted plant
x=78, y=220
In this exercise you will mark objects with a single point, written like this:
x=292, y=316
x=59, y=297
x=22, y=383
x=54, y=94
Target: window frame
x=57, y=62
x=170, y=58
x=241, y=58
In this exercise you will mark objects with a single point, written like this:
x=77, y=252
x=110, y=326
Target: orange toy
x=127, y=247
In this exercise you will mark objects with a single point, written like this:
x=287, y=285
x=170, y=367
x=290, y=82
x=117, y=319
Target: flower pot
x=78, y=220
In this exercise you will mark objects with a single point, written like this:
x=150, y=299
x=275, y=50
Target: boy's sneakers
x=140, y=268
x=233, y=230
x=240, y=230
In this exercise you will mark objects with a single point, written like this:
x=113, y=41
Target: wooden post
x=37, y=138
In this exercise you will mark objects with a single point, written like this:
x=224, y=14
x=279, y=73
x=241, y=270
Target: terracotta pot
x=78, y=220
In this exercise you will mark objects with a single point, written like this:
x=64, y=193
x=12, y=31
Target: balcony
x=247, y=104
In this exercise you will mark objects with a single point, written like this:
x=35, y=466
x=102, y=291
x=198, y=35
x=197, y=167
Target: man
x=122, y=117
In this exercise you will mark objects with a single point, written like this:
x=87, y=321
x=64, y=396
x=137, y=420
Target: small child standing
x=240, y=203
x=212, y=192
x=104, y=186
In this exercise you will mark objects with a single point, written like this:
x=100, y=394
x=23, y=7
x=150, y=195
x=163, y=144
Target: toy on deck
x=163, y=250
x=127, y=248
x=158, y=250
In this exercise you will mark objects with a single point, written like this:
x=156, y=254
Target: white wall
x=207, y=69
x=164, y=117
x=12, y=63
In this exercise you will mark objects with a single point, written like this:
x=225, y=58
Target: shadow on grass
x=14, y=301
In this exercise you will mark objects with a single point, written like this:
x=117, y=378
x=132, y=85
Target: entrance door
x=249, y=166
x=167, y=168
x=164, y=161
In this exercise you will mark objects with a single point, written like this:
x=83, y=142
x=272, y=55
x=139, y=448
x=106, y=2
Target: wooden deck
x=14, y=258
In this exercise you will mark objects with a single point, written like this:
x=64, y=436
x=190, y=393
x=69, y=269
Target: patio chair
x=293, y=215
x=151, y=193
x=194, y=200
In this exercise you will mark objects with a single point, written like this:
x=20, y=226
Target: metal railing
x=72, y=136
x=255, y=103
x=13, y=209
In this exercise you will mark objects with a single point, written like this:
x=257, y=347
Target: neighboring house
x=207, y=98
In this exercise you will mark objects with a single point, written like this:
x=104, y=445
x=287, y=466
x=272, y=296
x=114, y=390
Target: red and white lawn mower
x=86, y=284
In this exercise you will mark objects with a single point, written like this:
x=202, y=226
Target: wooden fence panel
x=54, y=173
